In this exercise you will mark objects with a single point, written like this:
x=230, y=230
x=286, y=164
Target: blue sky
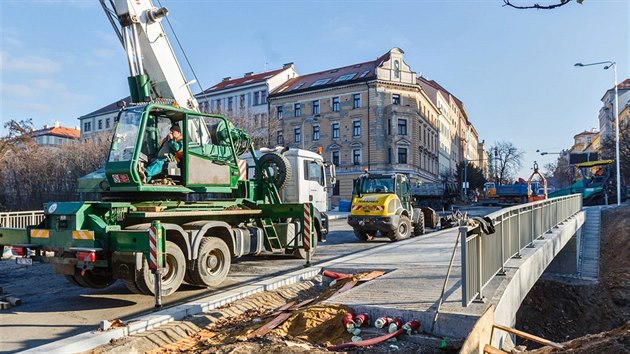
x=513, y=69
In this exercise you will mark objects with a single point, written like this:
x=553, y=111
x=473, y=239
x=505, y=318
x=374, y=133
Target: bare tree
x=538, y=6
x=507, y=161
x=608, y=151
x=258, y=126
x=559, y=173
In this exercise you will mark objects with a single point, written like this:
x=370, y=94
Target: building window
x=263, y=97
x=335, y=130
x=356, y=99
x=107, y=120
x=297, y=109
x=280, y=110
x=336, y=188
x=356, y=156
x=389, y=155
x=402, y=155
x=396, y=69
x=402, y=126
x=315, y=132
x=87, y=127
x=100, y=124
x=356, y=128
x=298, y=134
x=315, y=107
x=256, y=98
x=241, y=103
x=335, y=104
x=218, y=105
x=396, y=99
x=280, y=138
x=335, y=158
x=230, y=102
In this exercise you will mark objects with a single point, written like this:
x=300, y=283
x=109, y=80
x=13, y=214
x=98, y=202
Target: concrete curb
x=90, y=340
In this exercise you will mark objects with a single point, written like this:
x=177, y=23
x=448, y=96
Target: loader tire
x=279, y=167
x=363, y=235
x=175, y=268
x=133, y=287
x=403, y=230
x=212, y=264
x=72, y=280
x=418, y=228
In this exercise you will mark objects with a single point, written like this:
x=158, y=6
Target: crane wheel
x=403, y=230
x=93, y=280
x=363, y=235
x=279, y=168
x=175, y=268
x=212, y=264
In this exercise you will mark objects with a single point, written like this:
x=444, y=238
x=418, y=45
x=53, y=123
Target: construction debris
x=8, y=300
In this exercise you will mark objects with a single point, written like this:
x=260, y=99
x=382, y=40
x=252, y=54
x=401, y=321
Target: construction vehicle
x=381, y=204
x=309, y=182
x=596, y=182
x=438, y=196
x=534, y=192
x=195, y=216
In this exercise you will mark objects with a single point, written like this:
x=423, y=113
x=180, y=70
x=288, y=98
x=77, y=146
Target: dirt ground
x=590, y=318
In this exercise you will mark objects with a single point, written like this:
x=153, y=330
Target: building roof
x=62, y=132
x=247, y=79
x=332, y=77
x=109, y=108
x=586, y=132
x=624, y=85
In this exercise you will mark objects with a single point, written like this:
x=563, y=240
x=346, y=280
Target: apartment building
x=607, y=112
x=244, y=99
x=371, y=115
x=55, y=136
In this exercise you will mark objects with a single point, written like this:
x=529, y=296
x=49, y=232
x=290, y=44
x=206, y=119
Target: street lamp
x=543, y=153
x=312, y=120
x=608, y=64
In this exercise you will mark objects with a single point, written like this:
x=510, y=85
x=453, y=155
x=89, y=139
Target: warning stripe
x=307, y=227
x=356, y=207
x=152, y=248
x=83, y=235
x=242, y=168
x=40, y=233
x=379, y=207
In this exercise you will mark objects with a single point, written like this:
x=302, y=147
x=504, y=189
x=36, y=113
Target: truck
x=381, y=205
x=196, y=215
x=438, y=196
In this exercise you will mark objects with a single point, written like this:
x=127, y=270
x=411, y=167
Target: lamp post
x=312, y=120
x=608, y=64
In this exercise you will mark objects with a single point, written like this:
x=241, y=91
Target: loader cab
x=207, y=162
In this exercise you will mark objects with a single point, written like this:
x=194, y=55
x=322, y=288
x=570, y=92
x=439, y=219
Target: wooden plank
x=488, y=349
x=529, y=336
x=302, y=304
x=194, y=213
x=347, y=286
x=267, y=327
x=371, y=275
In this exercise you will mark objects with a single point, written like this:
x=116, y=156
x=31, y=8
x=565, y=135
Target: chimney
x=287, y=65
x=226, y=78
x=46, y=126
x=77, y=127
x=57, y=124
x=248, y=74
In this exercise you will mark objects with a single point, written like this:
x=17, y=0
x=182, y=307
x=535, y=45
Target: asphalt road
x=53, y=309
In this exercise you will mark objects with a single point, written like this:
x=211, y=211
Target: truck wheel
x=213, y=263
x=278, y=166
x=93, y=280
x=403, y=231
x=418, y=228
x=73, y=280
x=363, y=235
x=174, y=270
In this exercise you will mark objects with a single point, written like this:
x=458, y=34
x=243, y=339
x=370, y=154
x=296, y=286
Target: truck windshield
x=126, y=135
x=377, y=185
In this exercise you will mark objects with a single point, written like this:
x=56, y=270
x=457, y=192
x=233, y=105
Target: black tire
x=300, y=253
x=73, y=280
x=418, y=228
x=92, y=280
x=133, y=287
x=364, y=235
x=403, y=230
x=175, y=268
x=279, y=167
x=212, y=264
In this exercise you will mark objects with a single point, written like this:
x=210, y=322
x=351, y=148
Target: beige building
x=371, y=115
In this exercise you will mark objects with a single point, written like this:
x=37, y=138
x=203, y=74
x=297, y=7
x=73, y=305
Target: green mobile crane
x=202, y=209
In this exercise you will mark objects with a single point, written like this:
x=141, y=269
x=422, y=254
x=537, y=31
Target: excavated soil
x=590, y=318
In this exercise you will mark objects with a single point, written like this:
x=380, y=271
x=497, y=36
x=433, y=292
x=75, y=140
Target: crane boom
x=154, y=70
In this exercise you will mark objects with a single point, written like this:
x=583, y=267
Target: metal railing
x=484, y=256
x=21, y=219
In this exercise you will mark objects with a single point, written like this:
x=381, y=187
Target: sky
x=513, y=69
